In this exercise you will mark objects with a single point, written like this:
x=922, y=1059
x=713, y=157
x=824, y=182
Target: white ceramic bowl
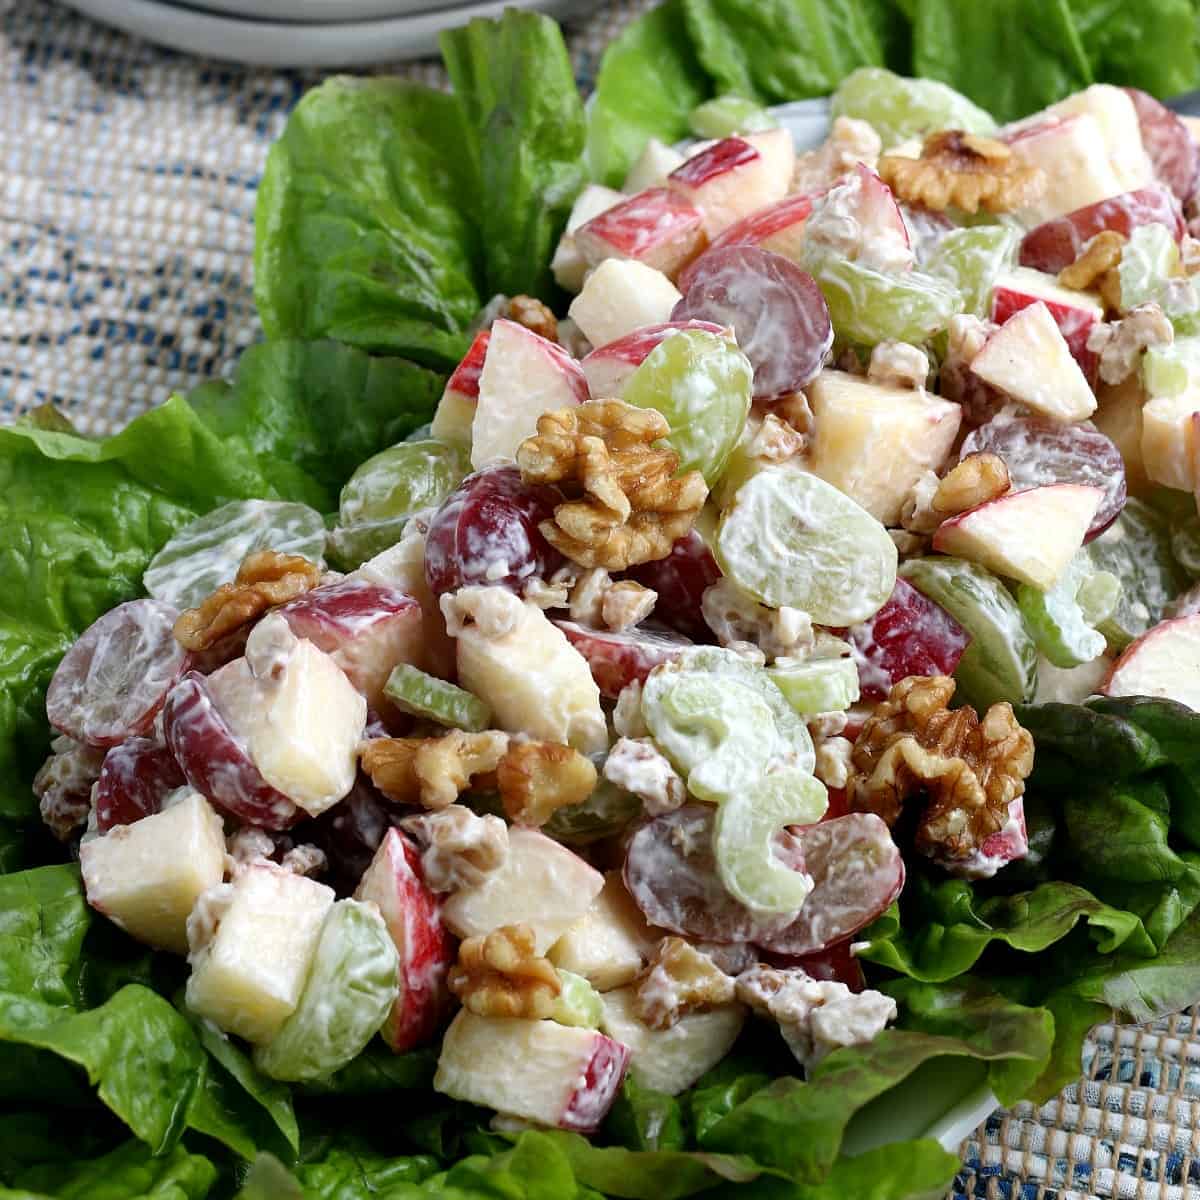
x=331, y=12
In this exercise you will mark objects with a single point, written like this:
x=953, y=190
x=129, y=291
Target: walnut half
x=536, y=779
x=679, y=979
x=499, y=975
x=966, y=771
x=431, y=771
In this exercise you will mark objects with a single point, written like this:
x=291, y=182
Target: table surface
x=127, y=182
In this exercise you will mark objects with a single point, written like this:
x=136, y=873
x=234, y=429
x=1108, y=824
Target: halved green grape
x=1062, y=620
x=701, y=382
x=724, y=116
x=868, y=306
x=1185, y=545
x=790, y=538
x=413, y=691
x=351, y=986
x=745, y=830
x=207, y=553
x=1148, y=260
x=816, y=685
x=1001, y=661
x=386, y=490
x=971, y=259
x=901, y=108
x=1171, y=370
x=607, y=811
x=578, y=1003
x=1136, y=548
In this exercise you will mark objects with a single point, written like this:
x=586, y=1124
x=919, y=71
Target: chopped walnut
x=431, y=771
x=1096, y=267
x=1122, y=343
x=264, y=580
x=627, y=604
x=499, y=975
x=630, y=506
x=678, y=979
x=775, y=441
x=833, y=758
x=536, y=779
x=794, y=408
x=909, y=545
x=963, y=170
x=1189, y=255
x=850, y=141
x=534, y=315
x=305, y=859
x=965, y=338
x=977, y=479
x=492, y=611
x=899, y=364
x=459, y=848
x=917, y=513
x=545, y=594
x=627, y=713
x=246, y=845
x=735, y=616
x=968, y=771
x=63, y=785
x=640, y=768
x=587, y=596
x=826, y=725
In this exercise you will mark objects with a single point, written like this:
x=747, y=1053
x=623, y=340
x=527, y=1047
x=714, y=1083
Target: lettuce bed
x=388, y=214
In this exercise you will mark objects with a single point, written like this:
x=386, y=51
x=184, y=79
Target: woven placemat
x=127, y=181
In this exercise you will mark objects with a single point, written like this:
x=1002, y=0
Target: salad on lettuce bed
x=667, y=642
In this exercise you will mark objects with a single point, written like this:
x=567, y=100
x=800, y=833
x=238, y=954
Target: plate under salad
x=673, y=670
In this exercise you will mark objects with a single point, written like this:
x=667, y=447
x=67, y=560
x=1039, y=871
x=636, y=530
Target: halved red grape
x=350, y=832
x=857, y=872
x=486, y=533
x=1172, y=151
x=1038, y=453
x=776, y=310
x=136, y=777
x=1056, y=244
x=680, y=580
x=672, y=876
x=619, y=659
x=111, y=684
x=909, y=635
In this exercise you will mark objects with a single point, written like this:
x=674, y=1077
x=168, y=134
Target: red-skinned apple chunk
x=619, y=659
x=412, y=914
x=456, y=410
x=367, y=629
x=1164, y=661
x=655, y=227
x=609, y=367
x=1075, y=313
x=541, y=1071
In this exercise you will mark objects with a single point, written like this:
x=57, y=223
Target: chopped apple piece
x=1169, y=439
x=1118, y=416
x=619, y=296
x=456, y=409
x=1029, y=359
x=610, y=943
x=533, y=679
x=736, y=176
x=413, y=918
x=298, y=715
x=655, y=163
x=542, y=884
x=1164, y=661
x=249, y=972
x=541, y=1071
x=1029, y=536
x=874, y=442
x=146, y=877
x=1075, y=313
x=524, y=375
x=568, y=264
x=655, y=227
x=608, y=368
x=671, y=1060
x=1072, y=153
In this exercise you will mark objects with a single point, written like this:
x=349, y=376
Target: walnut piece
x=459, y=848
x=493, y=611
x=63, y=785
x=1122, y=343
x=536, y=779
x=640, y=768
x=431, y=771
x=1096, y=267
x=775, y=441
x=627, y=506
x=534, y=315
x=962, y=170
x=978, y=478
x=967, y=770
x=736, y=617
x=627, y=604
x=899, y=364
x=850, y=141
x=264, y=580
x=678, y=979
x=305, y=859
x=499, y=975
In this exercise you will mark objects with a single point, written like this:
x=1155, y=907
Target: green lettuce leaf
x=1151, y=45
x=128, y=1173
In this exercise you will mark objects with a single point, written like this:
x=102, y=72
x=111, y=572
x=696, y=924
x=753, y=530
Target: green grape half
x=867, y=307
x=725, y=116
x=386, y=490
x=351, y=986
x=901, y=108
x=743, y=835
x=701, y=382
x=790, y=538
x=970, y=260
x=1062, y=620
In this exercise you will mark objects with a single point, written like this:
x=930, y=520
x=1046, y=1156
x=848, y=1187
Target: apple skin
x=412, y=914
x=609, y=367
x=1164, y=662
x=215, y=763
x=456, y=409
x=366, y=628
x=619, y=659
x=733, y=178
x=1075, y=321
x=656, y=227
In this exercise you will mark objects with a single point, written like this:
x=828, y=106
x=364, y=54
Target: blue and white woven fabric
x=127, y=182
